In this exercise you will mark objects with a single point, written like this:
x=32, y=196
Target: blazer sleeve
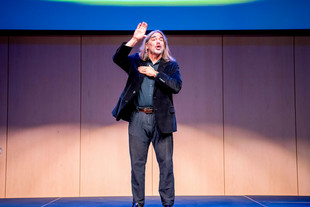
x=121, y=57
x=170, y=79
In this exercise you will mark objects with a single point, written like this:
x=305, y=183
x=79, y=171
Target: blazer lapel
x=162, y=65
x=161, y=68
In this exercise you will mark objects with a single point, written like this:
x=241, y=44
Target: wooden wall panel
x=44, y=116
x=198, y=144
x=105, y=161
x=53, y=150
x=302, y=62
x=259, y=124
x=3, y=110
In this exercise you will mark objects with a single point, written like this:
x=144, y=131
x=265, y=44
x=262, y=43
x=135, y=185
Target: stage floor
x=153, y=201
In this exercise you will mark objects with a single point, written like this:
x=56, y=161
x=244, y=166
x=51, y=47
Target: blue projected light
x=120, y=15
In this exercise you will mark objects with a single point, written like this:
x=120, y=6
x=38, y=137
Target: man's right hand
x=139, y=34
x=140, y=31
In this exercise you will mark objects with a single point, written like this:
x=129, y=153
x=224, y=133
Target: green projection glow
x=156, y=2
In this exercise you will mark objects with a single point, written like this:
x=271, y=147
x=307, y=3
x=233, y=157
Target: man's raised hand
x=138, y=34
x=140, y=31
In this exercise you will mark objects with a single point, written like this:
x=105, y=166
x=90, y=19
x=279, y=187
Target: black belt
x=146, y=110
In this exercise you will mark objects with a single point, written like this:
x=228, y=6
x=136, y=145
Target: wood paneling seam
x=7, y=119
x=223, y=122
x=80, y=158
x=295, y=113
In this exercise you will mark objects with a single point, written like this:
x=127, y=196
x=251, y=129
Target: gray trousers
x=142, y=131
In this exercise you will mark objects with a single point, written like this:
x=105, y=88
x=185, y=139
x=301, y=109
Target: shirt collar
x=150, y=61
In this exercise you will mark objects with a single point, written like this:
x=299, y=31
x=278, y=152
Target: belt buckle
x=147, y=110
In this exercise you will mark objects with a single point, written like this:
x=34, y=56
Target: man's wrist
x=156, y=73
x=132, y=42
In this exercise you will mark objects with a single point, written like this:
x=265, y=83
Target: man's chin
x=158, y=52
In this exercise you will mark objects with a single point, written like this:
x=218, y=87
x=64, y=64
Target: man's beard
x=158, y=52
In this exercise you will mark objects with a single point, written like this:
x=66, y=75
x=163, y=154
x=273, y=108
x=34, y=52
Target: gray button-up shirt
x=145, y=95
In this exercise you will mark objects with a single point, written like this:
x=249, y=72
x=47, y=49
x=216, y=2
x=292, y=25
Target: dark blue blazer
x=167, y=82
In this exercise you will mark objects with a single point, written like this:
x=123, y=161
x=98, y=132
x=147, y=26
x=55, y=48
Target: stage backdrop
x=243, y=116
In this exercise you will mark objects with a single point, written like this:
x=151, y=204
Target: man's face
x=156, y=44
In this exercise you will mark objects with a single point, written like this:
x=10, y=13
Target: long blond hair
x=166, y=55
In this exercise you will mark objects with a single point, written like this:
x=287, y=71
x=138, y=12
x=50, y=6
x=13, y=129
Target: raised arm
x=121, y=56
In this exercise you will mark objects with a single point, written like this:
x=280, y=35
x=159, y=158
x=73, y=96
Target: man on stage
x=147, y=104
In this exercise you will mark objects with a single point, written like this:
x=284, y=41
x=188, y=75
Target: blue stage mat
x=154, y=201
x=277, y=201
